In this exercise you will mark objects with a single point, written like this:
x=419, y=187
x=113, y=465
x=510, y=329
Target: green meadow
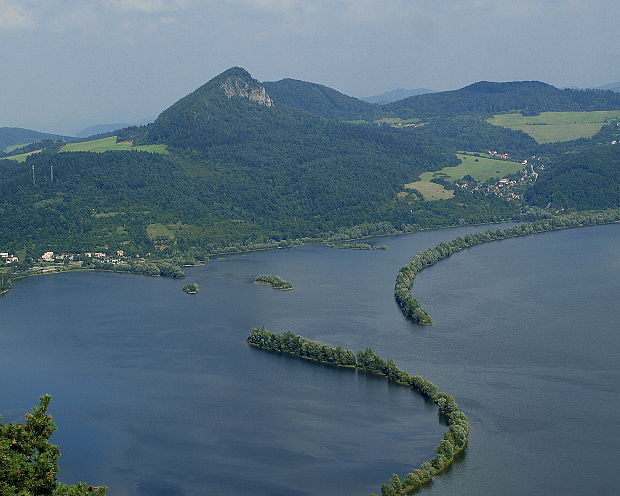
x=107, y=144
x=430, y=191
x=479, y=167
x=21, y=157
x=550, y=127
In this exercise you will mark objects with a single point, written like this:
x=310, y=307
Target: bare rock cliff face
x=235, y=86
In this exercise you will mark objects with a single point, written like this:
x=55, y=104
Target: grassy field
x=106, y=144
x=550, y=127
x=9, y=149
x=479, y=167
x=159, y=231
x=430, y=191
x=21, y=157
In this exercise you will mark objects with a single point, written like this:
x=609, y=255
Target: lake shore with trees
x=413, y=310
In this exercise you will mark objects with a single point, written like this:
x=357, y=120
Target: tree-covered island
x=275, y=282
x=191, y=288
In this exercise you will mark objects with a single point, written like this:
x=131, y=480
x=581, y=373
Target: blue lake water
x=155, y=392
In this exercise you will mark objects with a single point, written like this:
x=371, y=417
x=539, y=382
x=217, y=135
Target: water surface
x=156, y=394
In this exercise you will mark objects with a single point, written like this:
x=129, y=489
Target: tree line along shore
x=413, y=310
x=454, y=439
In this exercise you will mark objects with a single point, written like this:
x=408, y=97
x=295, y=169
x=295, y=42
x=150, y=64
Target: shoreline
x=221, y=255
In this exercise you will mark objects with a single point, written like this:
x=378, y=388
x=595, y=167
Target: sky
x=69, y=64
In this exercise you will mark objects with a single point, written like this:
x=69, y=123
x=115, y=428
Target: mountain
x=486, y=97
x=240, y=169
x=395, y=95
x=100, y=129
x=611, y=86
x=589, y=179
x=320, y=100
x=11, y=136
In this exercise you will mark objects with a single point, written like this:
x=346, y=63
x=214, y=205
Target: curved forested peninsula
x=275, y=282
x=454, y=439
x=411, y=308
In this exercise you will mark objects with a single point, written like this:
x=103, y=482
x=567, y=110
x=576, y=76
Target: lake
x=155, y=392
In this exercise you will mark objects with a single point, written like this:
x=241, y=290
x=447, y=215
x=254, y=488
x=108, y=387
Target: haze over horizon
x=71, y=64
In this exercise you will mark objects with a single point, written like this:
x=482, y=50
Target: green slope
x=242, y=168
x=589, y=179
x=530, y=97
x=321, y=100
x=11, y=136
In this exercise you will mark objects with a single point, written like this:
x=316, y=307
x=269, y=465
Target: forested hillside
x=235, y=168
x=589, y=179
x=321, y=100
x=11, y=136
x=491, y=98
x=241, y=169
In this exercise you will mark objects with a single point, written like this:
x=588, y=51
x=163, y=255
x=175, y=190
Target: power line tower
x=34, y=179
x=51, y=173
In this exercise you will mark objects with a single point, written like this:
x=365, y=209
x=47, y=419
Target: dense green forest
x=587, y=179
x=413, y=310
x=28, y=462
x=321, y=100
x=530, y=97
x=454, y=439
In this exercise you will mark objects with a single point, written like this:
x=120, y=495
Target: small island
x=191, y=288
x=273, y=281
x=356, y=246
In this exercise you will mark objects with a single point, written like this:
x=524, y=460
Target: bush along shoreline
x=411, y=308
x=454, y=439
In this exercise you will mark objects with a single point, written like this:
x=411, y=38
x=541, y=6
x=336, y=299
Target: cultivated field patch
x=110, y=143
x=480, y=168
x=550, y=127
x=430, y=191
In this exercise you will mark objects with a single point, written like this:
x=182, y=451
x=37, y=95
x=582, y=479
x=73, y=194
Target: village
x=510, y=188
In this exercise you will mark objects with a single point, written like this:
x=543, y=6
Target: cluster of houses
x=50, y=256
x=509, y=189
x=7, y=258
x=495, y=153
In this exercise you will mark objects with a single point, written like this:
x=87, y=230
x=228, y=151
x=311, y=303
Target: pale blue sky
x=67, y=64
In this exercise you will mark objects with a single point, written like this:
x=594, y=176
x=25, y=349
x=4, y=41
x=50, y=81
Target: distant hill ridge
x=11, y=136
x=395, y=95
x=485, y=97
